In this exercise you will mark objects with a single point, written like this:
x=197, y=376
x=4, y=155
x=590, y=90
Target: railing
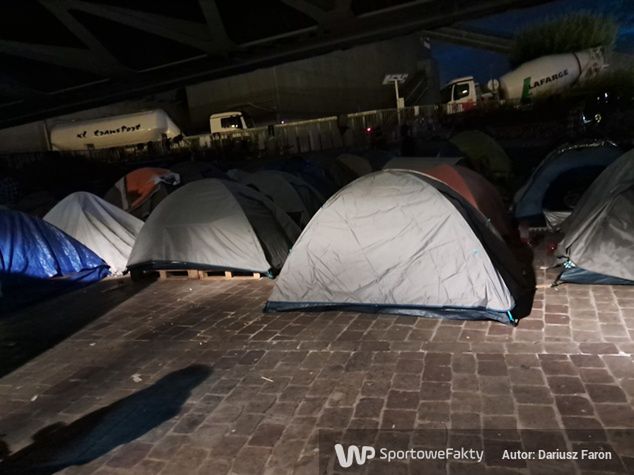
x=351, y=130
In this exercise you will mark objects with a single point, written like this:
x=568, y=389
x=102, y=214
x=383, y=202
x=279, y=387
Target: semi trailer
x=114, y=131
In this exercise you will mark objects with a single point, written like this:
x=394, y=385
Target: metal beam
x=73, y=58
x=341, y=13
x=182, y=31
x=59, y=8
x=215, y=26
x=465, y=37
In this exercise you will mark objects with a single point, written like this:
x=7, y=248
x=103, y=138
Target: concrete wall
x=338, y=82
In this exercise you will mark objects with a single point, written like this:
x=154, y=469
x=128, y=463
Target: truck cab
x=228, y=122
x=460, y=95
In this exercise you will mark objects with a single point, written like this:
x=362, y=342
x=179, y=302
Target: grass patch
x=566, y=34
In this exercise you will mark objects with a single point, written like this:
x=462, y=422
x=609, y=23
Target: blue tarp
x=38, y=260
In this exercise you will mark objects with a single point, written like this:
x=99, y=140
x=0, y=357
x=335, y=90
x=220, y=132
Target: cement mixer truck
x=546, y=75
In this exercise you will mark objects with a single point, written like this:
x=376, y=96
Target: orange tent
x=141, y=190
x=141, y=183
x=479, y=192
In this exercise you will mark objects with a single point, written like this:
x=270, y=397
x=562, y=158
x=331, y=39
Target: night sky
x=455, y=61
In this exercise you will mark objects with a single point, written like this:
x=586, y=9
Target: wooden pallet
x=227, y=275
x=195, y=274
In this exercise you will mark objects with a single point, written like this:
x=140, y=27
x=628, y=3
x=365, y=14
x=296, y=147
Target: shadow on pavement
x=59, y=446
x=27, y=332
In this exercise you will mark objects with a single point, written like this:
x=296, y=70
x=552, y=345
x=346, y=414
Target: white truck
x=229, y=122
x=115, y=131
x=541, y=76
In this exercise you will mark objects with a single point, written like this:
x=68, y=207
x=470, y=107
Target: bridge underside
x=59, y=56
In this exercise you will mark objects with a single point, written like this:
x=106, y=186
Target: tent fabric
x=140, y=191
x=357, y=164
x=195, y=170
x=401, y=242
x=215, y=224
x=567, y=169
x=422, y=164
x=377, y=158
x=473, y=187
x=599, y=235
x=477, y=191
x=290, y=193
x=308, y=170
x=484, y=153
x=435, y=148
x=103, y=228
x=38, y=260
x=554, y=219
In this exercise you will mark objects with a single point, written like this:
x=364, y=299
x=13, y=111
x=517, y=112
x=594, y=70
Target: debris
x=92, y=344
x=267, y=379
x=136, y=377
x=34, y=398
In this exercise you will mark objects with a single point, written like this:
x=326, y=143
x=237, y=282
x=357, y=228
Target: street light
x=395, y=79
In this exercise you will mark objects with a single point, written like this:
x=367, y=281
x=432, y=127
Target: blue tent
x=562, y=177
x=38, y=260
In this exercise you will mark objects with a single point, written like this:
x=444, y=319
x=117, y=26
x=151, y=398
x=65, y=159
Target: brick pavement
x=278, y=379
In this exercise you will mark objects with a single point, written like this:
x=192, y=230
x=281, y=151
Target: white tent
x=401, y=242
x=598, y=246
x=102, y=227
x=215, y=224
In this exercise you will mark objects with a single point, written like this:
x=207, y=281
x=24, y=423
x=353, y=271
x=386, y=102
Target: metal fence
x=356, y=130
x=350, y=130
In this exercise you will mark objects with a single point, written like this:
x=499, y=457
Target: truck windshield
x=232, y=122
x=462, y=90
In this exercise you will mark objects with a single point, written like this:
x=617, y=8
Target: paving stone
x=532, y=394
x=435, y=391
x=537, y=416
x=335, y=418
x=605, y=393
x=280, y=378
x=402, y=399
x=574, y=406
x=398, y=419
x=565, y=385
x=250, y=460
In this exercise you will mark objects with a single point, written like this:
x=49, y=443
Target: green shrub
x=567, y=34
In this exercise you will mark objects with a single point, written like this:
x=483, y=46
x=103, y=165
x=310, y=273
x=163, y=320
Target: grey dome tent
x=400, y=242
x=214, y=224
x=561, y=177
x=598, y=245
x=105, y=229
x=484, y=153
x=196, y=170
x=355, y=163
x=292, y=194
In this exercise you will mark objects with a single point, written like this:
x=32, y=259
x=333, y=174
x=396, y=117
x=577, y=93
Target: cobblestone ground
x=277, y=379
